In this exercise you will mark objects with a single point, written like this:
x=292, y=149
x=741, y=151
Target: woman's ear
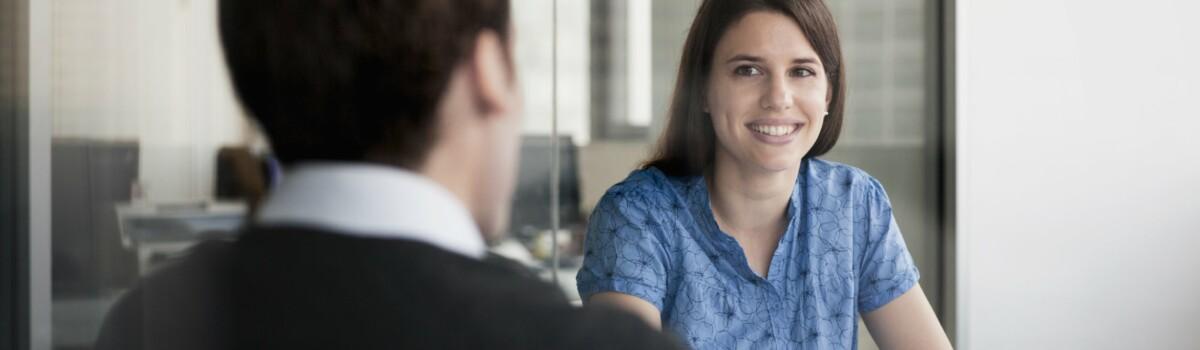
x=491, y=75
x=828, y=94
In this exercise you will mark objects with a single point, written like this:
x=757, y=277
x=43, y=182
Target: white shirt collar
x=372, y=201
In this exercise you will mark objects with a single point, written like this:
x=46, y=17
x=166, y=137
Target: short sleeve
x=623, y=252
x=886, y=269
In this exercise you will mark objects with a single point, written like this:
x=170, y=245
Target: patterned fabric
x=654, y=237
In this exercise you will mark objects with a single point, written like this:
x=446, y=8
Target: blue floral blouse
x=654, y=237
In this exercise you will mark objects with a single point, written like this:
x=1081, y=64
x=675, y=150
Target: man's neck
x=457, y=175
x=454, y=176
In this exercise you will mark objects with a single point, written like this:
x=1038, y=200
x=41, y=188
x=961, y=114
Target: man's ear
x=491, y=75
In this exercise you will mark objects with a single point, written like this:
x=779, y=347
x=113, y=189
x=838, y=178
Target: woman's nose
x=778, y=96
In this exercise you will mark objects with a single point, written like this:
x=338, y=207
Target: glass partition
x=151, y=152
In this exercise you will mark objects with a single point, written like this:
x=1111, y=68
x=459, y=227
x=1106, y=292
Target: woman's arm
x=907, y=322
x=625, y=302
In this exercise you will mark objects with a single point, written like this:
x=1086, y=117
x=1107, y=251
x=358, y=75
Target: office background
x=1039, y=154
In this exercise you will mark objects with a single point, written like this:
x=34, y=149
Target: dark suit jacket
x=299, y=288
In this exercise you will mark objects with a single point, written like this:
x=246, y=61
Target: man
x=398, y=124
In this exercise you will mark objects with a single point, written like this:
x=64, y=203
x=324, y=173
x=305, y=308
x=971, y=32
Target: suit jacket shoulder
x=304, y=288
x=183, y=305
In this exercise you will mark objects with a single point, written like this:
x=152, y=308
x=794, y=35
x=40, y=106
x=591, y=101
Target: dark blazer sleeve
x=606, y=328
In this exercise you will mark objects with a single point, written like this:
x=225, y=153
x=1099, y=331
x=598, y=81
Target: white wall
x=534, y=28
x=149, y=71
x=1078, y=174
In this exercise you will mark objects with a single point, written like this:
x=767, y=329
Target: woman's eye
x=802, y=72
x=746, y=71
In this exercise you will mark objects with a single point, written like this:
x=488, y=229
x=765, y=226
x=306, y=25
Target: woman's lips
x=774, y=133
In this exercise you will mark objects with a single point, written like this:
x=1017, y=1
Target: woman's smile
x=775, y=132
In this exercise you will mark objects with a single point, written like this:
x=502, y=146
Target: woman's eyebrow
x=751, y=58
x=744, y=57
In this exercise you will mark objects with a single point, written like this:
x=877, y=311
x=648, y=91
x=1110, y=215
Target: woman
x=734, y=235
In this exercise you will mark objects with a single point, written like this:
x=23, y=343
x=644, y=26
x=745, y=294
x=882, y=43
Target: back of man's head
x=350, y=80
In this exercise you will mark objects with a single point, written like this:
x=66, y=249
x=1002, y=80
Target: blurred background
x=1039, y=155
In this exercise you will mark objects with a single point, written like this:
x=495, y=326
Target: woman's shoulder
x=840, y=178
x=645, y=191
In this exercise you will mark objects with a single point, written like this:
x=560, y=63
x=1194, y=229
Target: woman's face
x=767, y=93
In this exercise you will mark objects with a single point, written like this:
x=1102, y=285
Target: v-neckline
x=729, y=245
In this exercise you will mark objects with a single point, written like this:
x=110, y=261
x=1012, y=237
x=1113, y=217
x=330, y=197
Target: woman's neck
x=749, y=201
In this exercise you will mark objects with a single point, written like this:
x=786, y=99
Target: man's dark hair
x=350, y=80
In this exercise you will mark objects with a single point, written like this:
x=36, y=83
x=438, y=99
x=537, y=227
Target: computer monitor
x=89, y=177
x=531, y=202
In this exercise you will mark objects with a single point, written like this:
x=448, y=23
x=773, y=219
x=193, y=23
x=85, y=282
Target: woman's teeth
x=774, y=130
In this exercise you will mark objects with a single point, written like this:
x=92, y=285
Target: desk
x=511, y=249
x=166, y=229
x=566, y=282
